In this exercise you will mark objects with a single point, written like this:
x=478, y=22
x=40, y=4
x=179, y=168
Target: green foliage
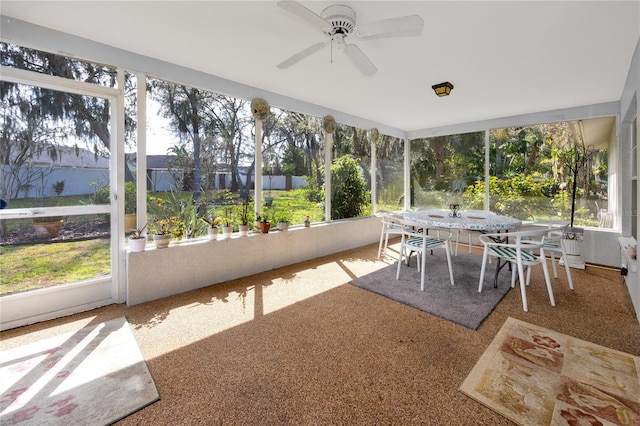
x=349, y=196
x=518, y=196
x=293, y=161
x=177, y=214
x=283, y=214
x=103, y=196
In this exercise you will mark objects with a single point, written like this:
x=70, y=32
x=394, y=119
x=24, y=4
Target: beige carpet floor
x=299, y=345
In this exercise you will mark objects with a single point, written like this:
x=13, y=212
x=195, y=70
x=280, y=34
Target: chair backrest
x=606, y=219
x=556, y=228
x=390, y=219
x=529, y=239
x=413, y=228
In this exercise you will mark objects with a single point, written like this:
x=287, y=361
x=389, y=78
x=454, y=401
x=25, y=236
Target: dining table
x=478, y=221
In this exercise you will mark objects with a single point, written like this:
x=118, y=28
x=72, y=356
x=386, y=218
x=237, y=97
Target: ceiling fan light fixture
x=442, y=89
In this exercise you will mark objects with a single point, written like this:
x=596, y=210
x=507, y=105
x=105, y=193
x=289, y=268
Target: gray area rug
x=460, y=303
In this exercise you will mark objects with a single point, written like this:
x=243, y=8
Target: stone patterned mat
x=535, y=376
x=93, y=376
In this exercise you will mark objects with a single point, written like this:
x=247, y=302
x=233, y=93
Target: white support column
x=407, y=177
x=328, y=149
x=116, y=177
x=487, y=169
x=258, y=172
x=141, y=156
x=374, y=173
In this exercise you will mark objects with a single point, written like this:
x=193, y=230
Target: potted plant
x=283, y=217
x=162, y=232
x=576, y=160
x=137, y=241
x=243, y=226
x=227, y=223
x=50, y=226
x=212, y=226
x=165, y=225
x=263, y=223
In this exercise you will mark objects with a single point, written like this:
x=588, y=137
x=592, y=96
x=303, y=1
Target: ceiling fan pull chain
x=331, y=49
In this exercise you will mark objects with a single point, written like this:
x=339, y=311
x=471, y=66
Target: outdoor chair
x=390, y=226
x=416, y=239
x=521, y=248
x=469, y=232
x=554, y=243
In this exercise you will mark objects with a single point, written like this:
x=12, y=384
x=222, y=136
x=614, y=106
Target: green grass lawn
x=44, y=264
x=27, y=267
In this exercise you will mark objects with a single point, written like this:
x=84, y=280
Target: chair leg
x=553, y=264
x=457, y=241
x=449, y=262
x=469, y=234
x=380, y=245
x=567, y=268
x=400, y=256
x=523, y=287
x=548, y=281
x=423, y=258
x=482, y=269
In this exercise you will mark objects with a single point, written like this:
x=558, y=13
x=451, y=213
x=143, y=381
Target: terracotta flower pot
x=46, y=230
x=264, y=227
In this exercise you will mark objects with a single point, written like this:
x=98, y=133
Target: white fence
x=85, y=181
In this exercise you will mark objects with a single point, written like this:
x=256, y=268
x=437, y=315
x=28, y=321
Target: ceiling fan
x=338, y=22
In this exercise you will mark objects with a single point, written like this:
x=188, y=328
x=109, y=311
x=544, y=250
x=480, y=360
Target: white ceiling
x=504, y=58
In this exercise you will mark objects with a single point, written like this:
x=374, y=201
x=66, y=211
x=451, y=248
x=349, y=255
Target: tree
x=349, y=196
x=88, y=116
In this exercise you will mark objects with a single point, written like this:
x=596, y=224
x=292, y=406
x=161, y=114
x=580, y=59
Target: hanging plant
x=374, y=135
x=329, y=124
x=260, y=109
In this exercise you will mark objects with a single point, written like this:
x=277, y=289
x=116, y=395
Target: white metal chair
x=390, y=226
x=554, y=243
x=520, y=249
x=416, y=239
x=469, y=232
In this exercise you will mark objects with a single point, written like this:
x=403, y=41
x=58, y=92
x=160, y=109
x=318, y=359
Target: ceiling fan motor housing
x=342, y=19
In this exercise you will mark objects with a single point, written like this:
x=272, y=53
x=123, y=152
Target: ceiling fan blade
x=304, y=13
x=301, y=55
x=411, y=25
x=360, y=60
